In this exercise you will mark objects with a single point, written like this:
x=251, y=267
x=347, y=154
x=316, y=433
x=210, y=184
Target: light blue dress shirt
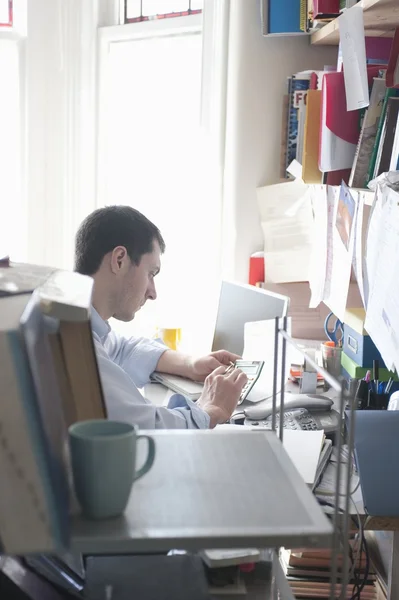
x=125, y=365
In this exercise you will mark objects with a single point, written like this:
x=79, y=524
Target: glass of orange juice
x=171, y=336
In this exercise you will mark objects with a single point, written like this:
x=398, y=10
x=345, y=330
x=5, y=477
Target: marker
x=376, y=366
x=389, y=385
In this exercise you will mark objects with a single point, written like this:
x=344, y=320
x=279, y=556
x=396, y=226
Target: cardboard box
x=308, y=323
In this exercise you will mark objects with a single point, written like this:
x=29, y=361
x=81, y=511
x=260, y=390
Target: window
x=6, y=14
x=144, y=10
x=151, y=158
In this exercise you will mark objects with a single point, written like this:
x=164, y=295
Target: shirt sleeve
x=125, y=403
x=138, y=357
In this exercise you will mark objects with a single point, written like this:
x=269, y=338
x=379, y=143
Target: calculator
x=252, y=369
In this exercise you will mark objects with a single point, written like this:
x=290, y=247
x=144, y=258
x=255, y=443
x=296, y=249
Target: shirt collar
x=99, y=326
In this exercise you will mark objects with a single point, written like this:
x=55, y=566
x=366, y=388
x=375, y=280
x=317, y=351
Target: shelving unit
x=208, y=489
x=381, y=17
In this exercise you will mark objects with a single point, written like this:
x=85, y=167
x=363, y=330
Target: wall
x=257, y=80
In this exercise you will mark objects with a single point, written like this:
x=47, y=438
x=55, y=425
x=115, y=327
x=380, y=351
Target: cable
x=358, y=581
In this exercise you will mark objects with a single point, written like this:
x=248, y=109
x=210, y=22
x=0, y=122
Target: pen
x=367, y=377
x=230, y=368
x=389, y=385
x=376, y=365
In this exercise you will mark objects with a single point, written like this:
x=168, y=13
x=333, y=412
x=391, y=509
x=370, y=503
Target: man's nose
x=151, y=293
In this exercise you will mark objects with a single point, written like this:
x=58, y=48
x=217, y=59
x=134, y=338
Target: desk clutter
x=363, y=367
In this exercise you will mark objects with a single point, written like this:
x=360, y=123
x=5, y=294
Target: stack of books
x=50, y=379
x=333, y=144
x=308, y=571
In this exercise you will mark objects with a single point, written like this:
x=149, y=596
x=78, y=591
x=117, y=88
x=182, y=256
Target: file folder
x=339, y=129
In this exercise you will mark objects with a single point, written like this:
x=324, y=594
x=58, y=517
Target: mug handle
x=150, y=458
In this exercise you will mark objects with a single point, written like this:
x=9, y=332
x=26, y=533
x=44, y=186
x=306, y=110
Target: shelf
x=210, y=489
x=381, y=17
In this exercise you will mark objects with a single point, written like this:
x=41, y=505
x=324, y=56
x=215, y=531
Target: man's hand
x=221, y=394
x=200, y=368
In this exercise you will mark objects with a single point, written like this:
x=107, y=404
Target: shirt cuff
x=200, y=418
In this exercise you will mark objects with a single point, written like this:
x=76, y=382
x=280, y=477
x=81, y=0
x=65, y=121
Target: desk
x=201, y=494
x=159, y=395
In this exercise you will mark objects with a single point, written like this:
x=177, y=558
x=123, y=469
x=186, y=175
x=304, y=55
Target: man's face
x=137, y=284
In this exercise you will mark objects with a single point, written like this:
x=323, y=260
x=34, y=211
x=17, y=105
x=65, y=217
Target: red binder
x=322, y=8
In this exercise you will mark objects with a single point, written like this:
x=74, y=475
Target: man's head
x=121, y=249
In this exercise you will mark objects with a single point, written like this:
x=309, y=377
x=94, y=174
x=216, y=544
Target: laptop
x=376, y=455
x=239, y=303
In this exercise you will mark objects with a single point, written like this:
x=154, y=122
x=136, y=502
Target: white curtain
x=60, y=91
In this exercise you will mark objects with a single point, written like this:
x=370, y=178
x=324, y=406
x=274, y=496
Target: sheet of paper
x=318, y=261
x=353, y=46
x=339, y=257
x=304, y=451
x=357, y=260
x=382, y=317
x=303, y=447
x=287, y=223
x=259, y=345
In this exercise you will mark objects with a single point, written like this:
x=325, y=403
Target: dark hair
x=109, y=227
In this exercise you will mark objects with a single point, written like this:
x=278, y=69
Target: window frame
x=191, y=24
x=123, y=19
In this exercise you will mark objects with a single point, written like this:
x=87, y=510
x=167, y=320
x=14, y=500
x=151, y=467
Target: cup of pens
x=378, y=391
x=331, y=359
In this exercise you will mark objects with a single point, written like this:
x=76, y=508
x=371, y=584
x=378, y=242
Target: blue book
x=34, y=503
x=296, y=83
x=284, y=17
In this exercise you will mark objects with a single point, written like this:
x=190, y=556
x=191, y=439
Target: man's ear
x=119, y=259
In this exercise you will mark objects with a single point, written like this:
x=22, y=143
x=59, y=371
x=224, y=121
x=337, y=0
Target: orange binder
x=310, y=167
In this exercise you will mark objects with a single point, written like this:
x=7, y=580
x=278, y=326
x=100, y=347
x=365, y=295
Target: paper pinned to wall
x=339, y=254
x=318, y=263
x=336, y=230
x=382, y=316
x=359, y=253
x=353, y=47
x=288, y=227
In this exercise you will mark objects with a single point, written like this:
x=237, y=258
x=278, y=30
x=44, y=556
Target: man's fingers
x=219, y=371
x=237, y=376
x=225, y=357
x=241, y=379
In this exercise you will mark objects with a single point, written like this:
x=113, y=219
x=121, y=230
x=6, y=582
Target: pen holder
x=377, y=401
x=362, y=395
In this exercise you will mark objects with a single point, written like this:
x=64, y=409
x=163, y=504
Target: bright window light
x=154, y=163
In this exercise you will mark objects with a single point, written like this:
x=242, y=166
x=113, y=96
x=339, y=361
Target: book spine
x=297, y=88
x=370, y=171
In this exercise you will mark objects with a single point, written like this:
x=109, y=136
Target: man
x=121, y=249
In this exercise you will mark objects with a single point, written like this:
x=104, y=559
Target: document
x=353, y=48
x=259, y=345
x=359, y=245
x=287, y=223
x=382, y=316
x=304, y=448
x=339, y=256
x=318, y=261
